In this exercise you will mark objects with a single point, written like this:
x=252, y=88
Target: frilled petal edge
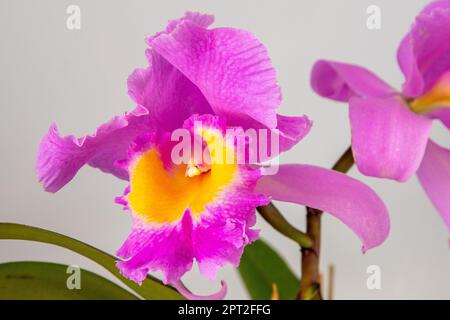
x=424, y=53
x=230, y=67
x=59, y=158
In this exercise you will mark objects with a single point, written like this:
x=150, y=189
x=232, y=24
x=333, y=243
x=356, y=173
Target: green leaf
x=151, y=288
x=261, y=267
x=48, y=281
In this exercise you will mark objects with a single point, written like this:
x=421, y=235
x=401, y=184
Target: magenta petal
x=435, y=4
x=137, y=83
x=170, y=97
x=220, y=295
x=388, y=140
x=152, y=248
x=221, y=235
x=161, y=83
x=292, y=130
x=340, y=81
x=289, y=131
x=230, y=66
x=60, y=158
x=424, y=53
x=200, y=19
x=434, y=175
x=349, y=200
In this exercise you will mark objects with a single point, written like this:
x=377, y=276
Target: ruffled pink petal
x=170, y=97
x=221, y=236
x=200, y=19
x=341, y=81
x=163, y=89
x=388, y=140
x=59, y=158
x=166, y=248
x=349, y=200
x=434, y=176
x=292, y=130
x=230, y=67
x=220, y=295
x=424, y=53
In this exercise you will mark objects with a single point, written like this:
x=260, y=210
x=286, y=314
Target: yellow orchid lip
x=162, y=195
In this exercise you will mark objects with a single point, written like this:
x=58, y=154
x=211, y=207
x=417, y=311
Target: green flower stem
x=309, y=283
x=151, y=288
x=272, y=215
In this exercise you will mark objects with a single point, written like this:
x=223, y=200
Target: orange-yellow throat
x=162, y=195
x=436, y=98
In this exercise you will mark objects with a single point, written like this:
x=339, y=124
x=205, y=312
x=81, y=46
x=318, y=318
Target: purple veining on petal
x=166, y=92
x=166, y=248
x=424, y=53
x=172, y=98
x=202, y=20
x=230, y=67
x=60, y=158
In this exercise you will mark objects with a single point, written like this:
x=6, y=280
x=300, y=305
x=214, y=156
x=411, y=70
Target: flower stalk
x=273, y=216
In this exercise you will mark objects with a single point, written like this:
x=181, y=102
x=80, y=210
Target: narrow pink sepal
x=348, y=199
x=434, y=176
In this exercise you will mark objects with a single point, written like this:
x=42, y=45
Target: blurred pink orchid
x=390, y=129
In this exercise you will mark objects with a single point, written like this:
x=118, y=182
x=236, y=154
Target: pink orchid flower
x=223, y=78
x=390, y=129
